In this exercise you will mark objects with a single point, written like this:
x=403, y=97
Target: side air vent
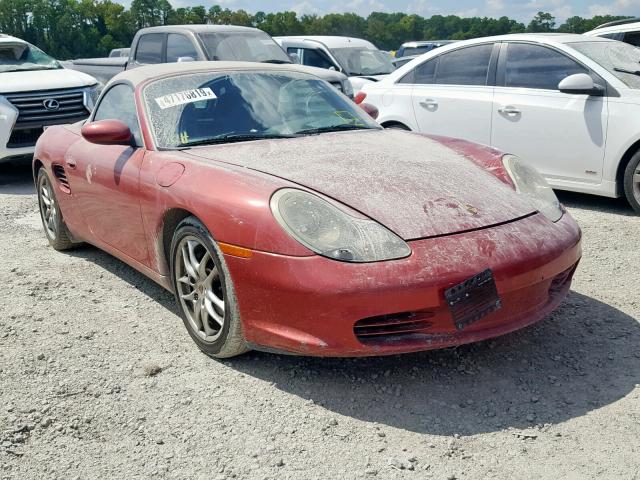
x=61, y=176
x=378, y=329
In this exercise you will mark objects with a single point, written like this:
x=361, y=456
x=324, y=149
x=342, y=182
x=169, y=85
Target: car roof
x=627, y=26
x=140, y=75
x=4, y=38
x=421, y=43
x=330, y=41
x=197, y=29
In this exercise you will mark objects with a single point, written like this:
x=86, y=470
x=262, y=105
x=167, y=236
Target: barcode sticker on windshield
x=188, y=96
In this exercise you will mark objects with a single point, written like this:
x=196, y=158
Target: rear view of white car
x=359, y=59
x=568, y=104
x=35, y=92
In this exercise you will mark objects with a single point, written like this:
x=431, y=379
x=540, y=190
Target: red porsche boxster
x=285, y=219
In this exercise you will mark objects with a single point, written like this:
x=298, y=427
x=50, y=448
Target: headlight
x=529, y=183
x=330, y=232
x=91, y=96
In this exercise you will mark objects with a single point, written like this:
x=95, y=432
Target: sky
x=522, y=10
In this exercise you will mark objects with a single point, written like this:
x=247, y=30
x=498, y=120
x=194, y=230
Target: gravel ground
x=99, y=379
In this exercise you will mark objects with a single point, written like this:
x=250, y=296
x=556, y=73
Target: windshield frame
x=52, y=64
x=370, y=124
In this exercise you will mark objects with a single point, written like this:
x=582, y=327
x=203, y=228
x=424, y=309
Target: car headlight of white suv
x=530, y=184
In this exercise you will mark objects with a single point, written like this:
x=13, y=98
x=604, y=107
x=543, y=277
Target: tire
x=632, y=182
x=204, y=291
x=55, y=229
x=398, y=126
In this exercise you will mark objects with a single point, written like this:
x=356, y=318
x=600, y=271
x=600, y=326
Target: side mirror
x=107, y=132
x=186, y=59
x=580, y=84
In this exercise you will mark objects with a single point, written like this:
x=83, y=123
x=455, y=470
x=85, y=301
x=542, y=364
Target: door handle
x=509, y=111
x=428, y=103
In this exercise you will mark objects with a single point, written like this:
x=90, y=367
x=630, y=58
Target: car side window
x=465, y=66
x=425, y=74
x=535, y=66
x=149, y=49
x=632, y=38
x=179, y=46
x=118, y=103
x=315, y=58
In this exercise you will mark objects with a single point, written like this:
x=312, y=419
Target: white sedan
x=568, y=104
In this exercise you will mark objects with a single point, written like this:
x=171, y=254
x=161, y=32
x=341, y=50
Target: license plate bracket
x=473, y=299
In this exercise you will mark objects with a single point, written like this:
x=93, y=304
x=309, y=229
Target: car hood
x=414, y=185
x=11, y=82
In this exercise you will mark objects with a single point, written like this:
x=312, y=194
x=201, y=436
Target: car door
x=562, y=135
x=453, y=93
x=105, y=179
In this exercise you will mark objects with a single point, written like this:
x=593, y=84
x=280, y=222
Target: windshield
x=363, y=61
x=621, y=59
x=417, y=50
x=243, y=46
x=22, y=56
x=217, y=107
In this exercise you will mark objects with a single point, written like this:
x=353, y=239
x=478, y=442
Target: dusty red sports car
x=284, y=219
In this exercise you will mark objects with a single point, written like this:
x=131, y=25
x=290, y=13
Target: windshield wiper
x=333, y=128
x=240, y=137
x=624, y=70
x=277, y=61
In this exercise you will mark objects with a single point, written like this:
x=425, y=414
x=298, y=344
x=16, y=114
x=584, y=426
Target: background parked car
x=31, y=99
x=627, y=31
x=359, y=59
x=569, y=104
x=119, y=52
x=401, y=61
x=180, y=43
x=420, y=47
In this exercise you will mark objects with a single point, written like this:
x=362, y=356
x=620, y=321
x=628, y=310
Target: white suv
x=569, y=104
x=35, y=92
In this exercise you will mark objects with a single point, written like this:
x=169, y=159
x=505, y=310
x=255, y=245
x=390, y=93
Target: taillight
x=359, y=98
x=370, y=109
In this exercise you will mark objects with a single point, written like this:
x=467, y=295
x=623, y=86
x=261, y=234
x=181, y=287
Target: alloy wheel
x=636, y=183
x=200, y=288
x=48, y=208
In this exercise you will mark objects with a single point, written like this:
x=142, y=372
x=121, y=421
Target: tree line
x=88, y=28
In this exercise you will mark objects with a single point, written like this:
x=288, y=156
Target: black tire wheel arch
x=631, y=182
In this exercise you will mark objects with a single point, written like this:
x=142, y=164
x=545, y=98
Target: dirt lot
x=99, y=379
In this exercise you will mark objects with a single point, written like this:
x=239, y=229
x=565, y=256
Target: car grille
x=64, y=106
x=26, y=137
x=376, y=329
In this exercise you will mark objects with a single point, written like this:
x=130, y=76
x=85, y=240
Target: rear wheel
x=52, y=221
x=632, y=182
x=204, y=291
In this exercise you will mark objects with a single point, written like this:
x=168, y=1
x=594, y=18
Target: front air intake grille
x=560, y=281
x=48, y=107
x=375, y=329
x=24, y=137
x=60, y=174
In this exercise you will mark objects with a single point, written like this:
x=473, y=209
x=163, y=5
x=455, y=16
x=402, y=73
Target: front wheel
x=204, y=291
x=54, y=227
x=632, y=182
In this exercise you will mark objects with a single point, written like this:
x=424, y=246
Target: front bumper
x=312, y=305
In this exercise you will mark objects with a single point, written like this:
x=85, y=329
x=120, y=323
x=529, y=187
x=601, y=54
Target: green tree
x=542, y=22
